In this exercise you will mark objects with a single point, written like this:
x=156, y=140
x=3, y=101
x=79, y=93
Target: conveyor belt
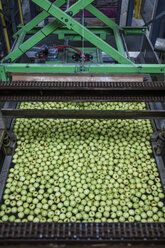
x=156, y=85
x=82, y=232
x=83, y=91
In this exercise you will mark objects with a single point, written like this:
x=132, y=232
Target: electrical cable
x=41, y=54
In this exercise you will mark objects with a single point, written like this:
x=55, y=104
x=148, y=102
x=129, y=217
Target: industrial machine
x=68, y=61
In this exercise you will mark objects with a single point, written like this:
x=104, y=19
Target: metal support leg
x=20, y=39
x=130, y=12
x=12, y=16
x=2, y=40
x=119, y=42
x=118, y=12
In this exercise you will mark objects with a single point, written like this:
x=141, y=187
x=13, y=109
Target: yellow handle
x=4, y=28
x=137, y=9
x=20, y=12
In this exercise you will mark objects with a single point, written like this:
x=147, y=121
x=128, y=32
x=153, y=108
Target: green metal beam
x=44, y=32
x=74, y=68
x=3, y=74
x=97, y=30
x=119, y=42
x=83, y=31
x=135, y=68
x=39, y=18
x=97, y=13
x=20, y=39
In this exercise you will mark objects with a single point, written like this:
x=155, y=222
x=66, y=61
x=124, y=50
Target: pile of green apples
x=83, y=170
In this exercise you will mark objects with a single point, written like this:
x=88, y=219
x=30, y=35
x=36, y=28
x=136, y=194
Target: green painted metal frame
x=39, y=18
x=72, y=24
x=44, y=32
x=64, y=24
x=72, y=68
x=77, y=27
x=95, y=29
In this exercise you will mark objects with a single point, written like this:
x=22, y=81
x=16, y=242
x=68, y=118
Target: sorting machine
x=68, y=61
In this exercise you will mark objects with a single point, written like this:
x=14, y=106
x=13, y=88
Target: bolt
x=70, y=13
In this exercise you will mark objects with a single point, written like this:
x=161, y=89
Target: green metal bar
x=119, y=42
x=20, y=39
x=96, y=30
x=135, y=68
x=81, y=30
x=3, y=74
x=75, y=8
x=44, y=32
x=135, y=30
x=37, y=68
x=65, y=31
x=42, y=16
x=74, y=68
x=97, y=13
